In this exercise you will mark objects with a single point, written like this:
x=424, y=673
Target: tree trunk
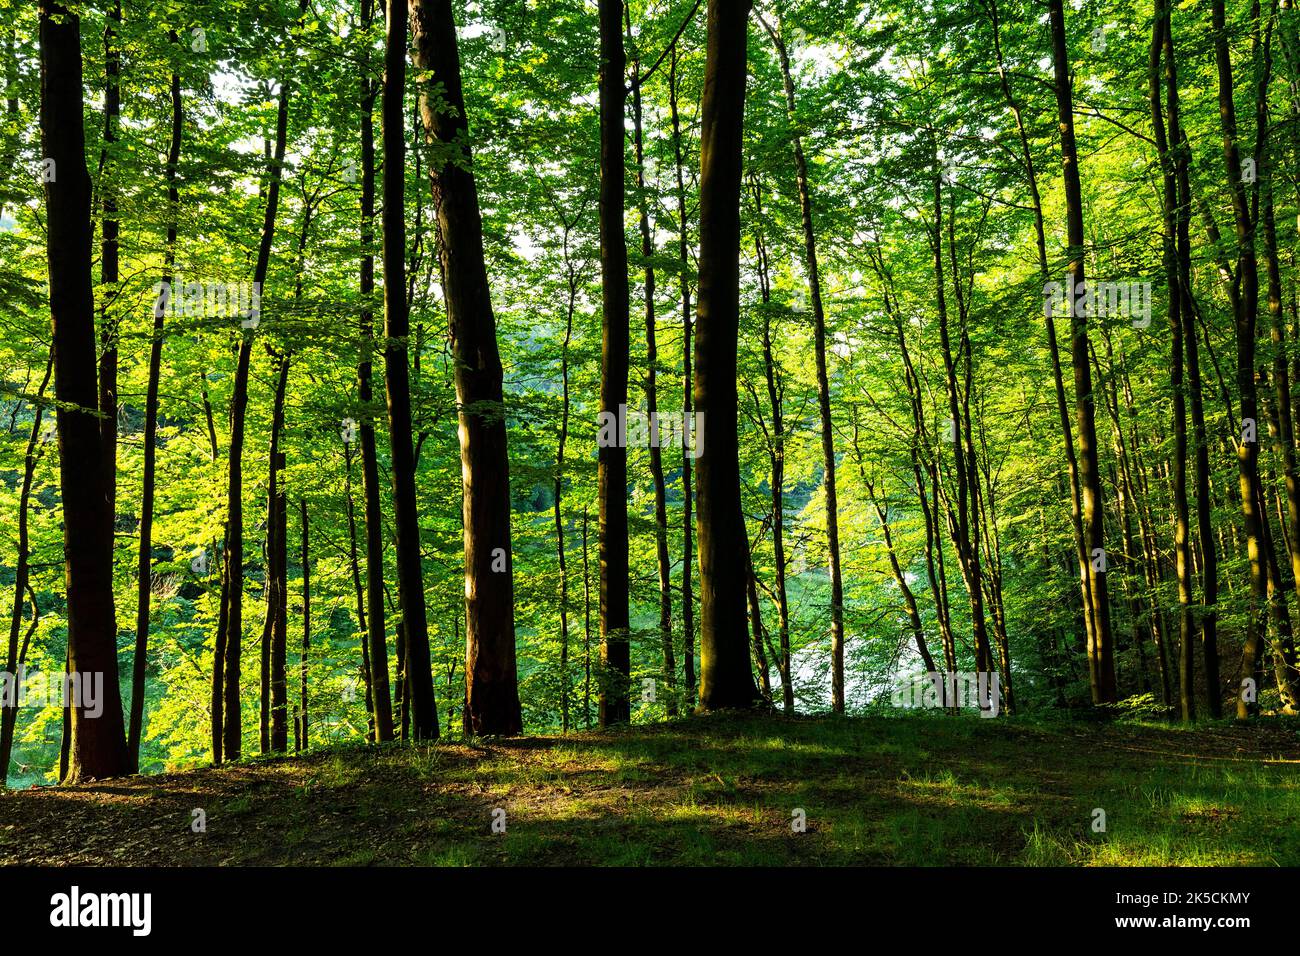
x=615, y=651
x=15, y=655
x=491, y=680
x=376, y=636
x=586, y=645
x=226, y=679
x=1101, y=664
x=559, y=483
x=725, y=676
x=1209, y=562
x=97, y=746
x=306, y=629
x=823, y=381
x=108, y=253
x=652, y=405
x=144, y=566
x=776, y=455
x=418, y=673
x=1058, y=379
x=688, y=384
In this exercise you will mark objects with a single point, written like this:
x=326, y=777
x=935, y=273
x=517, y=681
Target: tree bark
x=688, y=495
x=418, y=673
x=491, y=681
x=22, y=573
x=97, y=746
x=1101, y=669
x=725, y=676
x=662, y=562
x=376, y=636
x=615, y=650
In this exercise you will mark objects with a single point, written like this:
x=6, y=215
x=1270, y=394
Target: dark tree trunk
x=275, y=629
x=1209, y=561
x=586, y=603
x=108, y=253
x=230, y=628
x=560, y=549
x=306, y=629
x=688, y=498
x=397, y=329
x=725, y=676
x=97, y=746
x=15, y=655
x=615, y=651
x=1101, y=662
x=662, y=562
x=376, y=637
x=776, y=455
x=144, y=565
x=491, y=678
x=1058, y=379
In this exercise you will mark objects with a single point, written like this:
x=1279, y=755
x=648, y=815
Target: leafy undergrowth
x=724, y=790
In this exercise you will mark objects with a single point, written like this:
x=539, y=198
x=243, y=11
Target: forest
x=708, y=384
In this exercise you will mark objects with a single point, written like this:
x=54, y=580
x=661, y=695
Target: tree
x=1101, y=665
x=725, y=676
x=491, y=681
x=98, y=742
x=615, y=652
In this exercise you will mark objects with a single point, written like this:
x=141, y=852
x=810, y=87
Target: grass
x=913, y=790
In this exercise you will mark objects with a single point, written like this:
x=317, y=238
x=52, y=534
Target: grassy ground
x=915, y=790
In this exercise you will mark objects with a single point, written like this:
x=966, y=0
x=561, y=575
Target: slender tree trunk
x=776, y=454
x=144, y=566
x=900, y=579
x=1209, y=563
x=586, y=645
x=823, y=381
x=663, y=564
x=354, y=564
x=559, y=484
x=376, y=636
x=756, y=626
x=275, y=632
x=303, y=722
x=15, y=656
x=1058, y=378
x=688, y=498
x=1288, y=679
x=108, y=251
x=1101, y=662
x=1245, y=306
x=491, y=678
x=97, y=746
x=397, y=329
x=964, y=524
x=226, y=680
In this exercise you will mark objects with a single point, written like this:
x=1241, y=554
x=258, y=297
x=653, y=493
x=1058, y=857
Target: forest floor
x=918, y=790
